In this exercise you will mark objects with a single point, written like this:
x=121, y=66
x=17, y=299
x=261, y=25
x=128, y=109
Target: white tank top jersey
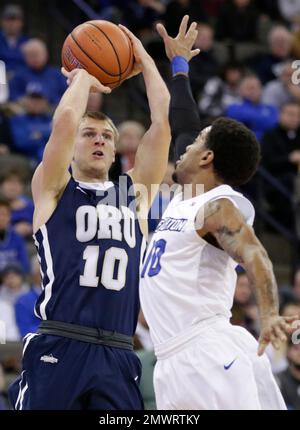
x=185, y=279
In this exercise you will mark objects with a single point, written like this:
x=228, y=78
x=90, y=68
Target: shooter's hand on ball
x=95, y=85
x=142, y=58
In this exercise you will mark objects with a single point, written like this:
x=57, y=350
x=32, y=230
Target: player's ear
x=206, y=158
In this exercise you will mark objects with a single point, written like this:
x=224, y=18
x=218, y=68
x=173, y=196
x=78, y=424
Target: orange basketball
x=101, y=48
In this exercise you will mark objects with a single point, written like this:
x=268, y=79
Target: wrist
x=179, y=65
x=266, y=315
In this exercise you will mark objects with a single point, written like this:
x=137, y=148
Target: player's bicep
x=227, y=224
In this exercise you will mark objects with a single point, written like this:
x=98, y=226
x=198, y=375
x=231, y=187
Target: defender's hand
x=274, y=329
x=95, y=85
x=142, y=58
x=184, y=41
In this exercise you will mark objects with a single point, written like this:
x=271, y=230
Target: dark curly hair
x=236, y=151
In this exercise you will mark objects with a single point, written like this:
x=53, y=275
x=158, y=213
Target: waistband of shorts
x=185, y=338
x=97, y=336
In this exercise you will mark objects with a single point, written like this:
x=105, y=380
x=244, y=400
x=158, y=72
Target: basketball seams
x=129, y=45
x=91, y=59
x=114, y=49
x=130, y=55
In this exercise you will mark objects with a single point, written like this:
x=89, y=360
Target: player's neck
x=203, y=185
x=92, y=176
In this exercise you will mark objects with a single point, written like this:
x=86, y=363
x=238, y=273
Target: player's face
x=95, y=146
x=188, y=164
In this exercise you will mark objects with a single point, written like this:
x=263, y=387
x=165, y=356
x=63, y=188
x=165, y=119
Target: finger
x=103, y=88
x=274, y=341
x=162, y=31
x=279, y=333
x=195, y=52
x=64, y=72
x=192, y=32
x=284, y=326
x=128, y=32
x=262, y=346
x=183, y=26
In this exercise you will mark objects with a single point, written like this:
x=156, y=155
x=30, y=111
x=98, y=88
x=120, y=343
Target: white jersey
x=185, y=279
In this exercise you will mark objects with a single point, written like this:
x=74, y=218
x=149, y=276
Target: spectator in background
x=12, y=285
x=12, y=186
x=11, y=288
x=212, y=7
x=221, y=91
x=131, y=133
x=12, y=245
x=282, y=90
x=5, y=135
x=31, y=130
x=38, y=72
x=269, y=9
x=26, y=319
x=11, y=38
x=256, y=115
x=237, y=21
x=140, y=15
x=176, y=9
x=289, y=380
x=267, y=66
x=205, y=65
x=281, y=157
x=290, y=11
x=244, y=309
x=8, y=318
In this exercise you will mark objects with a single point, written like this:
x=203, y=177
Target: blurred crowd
x=245, y=71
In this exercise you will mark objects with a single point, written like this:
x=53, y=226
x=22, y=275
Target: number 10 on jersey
x=113, y=273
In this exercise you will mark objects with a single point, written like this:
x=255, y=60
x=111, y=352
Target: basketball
x=101, y=48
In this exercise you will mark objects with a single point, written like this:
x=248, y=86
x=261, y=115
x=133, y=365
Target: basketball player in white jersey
x=188, y=279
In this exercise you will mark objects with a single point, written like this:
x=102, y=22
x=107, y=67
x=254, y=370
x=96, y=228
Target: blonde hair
x=100, y=116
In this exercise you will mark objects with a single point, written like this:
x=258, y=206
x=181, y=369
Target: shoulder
x=214, y=213
x=223, y=212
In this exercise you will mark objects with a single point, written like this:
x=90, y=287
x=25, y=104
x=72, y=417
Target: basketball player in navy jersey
x=89, y=235
x=188, y=279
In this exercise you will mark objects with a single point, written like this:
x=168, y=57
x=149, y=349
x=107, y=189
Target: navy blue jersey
x=90, y=252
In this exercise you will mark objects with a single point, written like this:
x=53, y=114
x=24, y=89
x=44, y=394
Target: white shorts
x=214, y=365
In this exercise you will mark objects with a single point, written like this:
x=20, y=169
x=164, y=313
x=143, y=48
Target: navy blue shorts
x=66, y=374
